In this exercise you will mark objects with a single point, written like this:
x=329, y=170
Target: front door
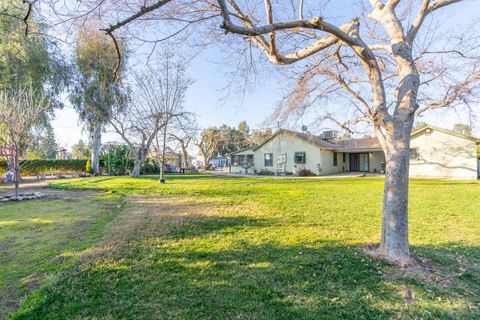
x=359, y=162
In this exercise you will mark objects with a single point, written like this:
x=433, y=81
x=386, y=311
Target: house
x=441, y=153
x=435, y=153
x=219, y=162
x=173, y=160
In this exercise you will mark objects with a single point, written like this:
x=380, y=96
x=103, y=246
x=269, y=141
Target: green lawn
x=208, y=247
x=38, y=237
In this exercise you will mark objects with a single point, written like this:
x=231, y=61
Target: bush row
x=47, y=166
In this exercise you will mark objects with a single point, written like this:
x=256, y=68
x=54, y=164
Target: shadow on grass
x=197, y=271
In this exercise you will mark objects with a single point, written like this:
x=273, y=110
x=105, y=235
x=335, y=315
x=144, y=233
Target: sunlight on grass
x=204, y=247
x=37, y=236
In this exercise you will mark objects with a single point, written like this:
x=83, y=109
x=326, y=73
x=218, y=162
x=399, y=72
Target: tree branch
x=143, y=10
x=426, y=8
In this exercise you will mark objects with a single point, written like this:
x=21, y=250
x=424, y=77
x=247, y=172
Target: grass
x=37, y=237
x=209, y=247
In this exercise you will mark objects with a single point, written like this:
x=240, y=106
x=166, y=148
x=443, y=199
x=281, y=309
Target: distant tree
x=227, y=141
x=20, y=111
x=242, y=135
x=97, y=88
x=259, y=136
x=81, y=150
x=185, y=130
x=118, y=159
x=172, y=83
x=157, y=101
x=208, y=144
x=233, y=138
x=43, y=143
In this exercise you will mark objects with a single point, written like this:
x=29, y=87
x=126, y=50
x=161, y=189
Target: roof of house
x=364, y=144
x=304, y=136
x=447, y=131
x=351, y=145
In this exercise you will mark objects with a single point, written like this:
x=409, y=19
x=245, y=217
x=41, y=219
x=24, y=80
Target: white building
x=435, y=152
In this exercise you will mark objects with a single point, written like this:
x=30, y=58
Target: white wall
x=327, y=163
x=441, y=155
x=289, y=144
x=376, y=158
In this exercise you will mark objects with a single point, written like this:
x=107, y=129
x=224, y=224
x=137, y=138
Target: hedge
x=52, y=166
x=47, y=166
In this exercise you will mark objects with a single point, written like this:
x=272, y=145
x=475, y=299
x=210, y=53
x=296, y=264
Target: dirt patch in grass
x=49, y=193
x=150, y=217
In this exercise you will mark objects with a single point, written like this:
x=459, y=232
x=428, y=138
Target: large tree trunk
x=394, y=241
x=140, y=155
x=96, y=144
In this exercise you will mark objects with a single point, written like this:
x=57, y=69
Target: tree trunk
x=185, y=158
x=206, y=158
x=394, y=241
x=96, y=144
x=16, y=172
x=140, y=155
x=162, y=165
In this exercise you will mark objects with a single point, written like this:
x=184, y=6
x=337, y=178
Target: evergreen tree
x=97, y=88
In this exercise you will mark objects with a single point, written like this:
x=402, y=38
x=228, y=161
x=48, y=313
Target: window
x=335, y=159
x=414, y=154
x=268, y=159
x=299, y=157
x=344, y=157
x=240, y=160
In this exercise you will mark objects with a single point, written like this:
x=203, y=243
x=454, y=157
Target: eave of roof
x=446, y=131
x=360, y=150
x=307, y=138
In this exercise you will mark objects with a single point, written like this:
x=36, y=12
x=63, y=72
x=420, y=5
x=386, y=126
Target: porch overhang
x=359, y=150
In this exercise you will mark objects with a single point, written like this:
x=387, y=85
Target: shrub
x=118, y=160
x=47, y=166
x=88, y=166
x=305, y=173
x=265, y=172
x=150, y=167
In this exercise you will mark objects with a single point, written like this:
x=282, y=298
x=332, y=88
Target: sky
x=214, y=107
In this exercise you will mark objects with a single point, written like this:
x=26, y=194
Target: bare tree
x=381, y=69
x=208, y=144
x=389, y=71
x=156, y=103
x=138, y=123
x=185, y=130
x=259, y=136
x=20, y=111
